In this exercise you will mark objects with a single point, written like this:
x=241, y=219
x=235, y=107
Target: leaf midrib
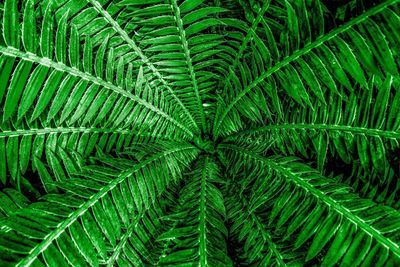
x=268, y=238
x=327, y=127
x=34, y=253
x=43, y=131
x=369, y=230
x=188, y=58
x=13, y=52
x=115, y=25
x=202, y=215
x=307, y=48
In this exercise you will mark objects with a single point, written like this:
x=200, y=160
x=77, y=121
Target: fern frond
x=174, y=133
x=259, y=244
x=52, y=92
x=198, y=239
x=91, y=198
x=337, y=40
x=176, y=37
x=373, y=232
x=115, y=25
x=29, y=97
x=356, y=129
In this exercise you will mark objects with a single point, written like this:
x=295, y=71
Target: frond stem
x=115, y=25
x=202, y=226
x=301, y=52
x=268, y=238
x=327, y=127
x=13, y=52
x=27, y=132
x=34, y=253
x=242, y=47
x=293, y=177
x=179, y=23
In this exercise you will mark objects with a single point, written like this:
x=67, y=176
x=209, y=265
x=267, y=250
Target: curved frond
x=54, y=89
x=374, y=226
x=200, y=238
x=88, y=207
x=258, y=244
x=307, y=64
x=342, y=128
x=199, y=133
x=115, y=25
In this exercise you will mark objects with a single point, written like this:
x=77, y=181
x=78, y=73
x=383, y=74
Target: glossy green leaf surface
x=199, y=133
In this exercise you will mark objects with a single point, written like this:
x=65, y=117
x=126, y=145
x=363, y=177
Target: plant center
x=205, y=143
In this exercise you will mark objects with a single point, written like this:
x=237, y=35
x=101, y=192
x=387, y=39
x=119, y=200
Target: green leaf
x=61, y=36
x=61, y=96
x=46, y=37
x=349, y=61
x=69, y=250
x=46, y=94
x=87, y=55
x=327, y=230
x=29, y=35
x=202, y=25
x=11, y=27
x=201, y=13
x=358, y=249
x=12, y=156
x=74, y=48
x=52, y=256
x=16, y=88
x=93, y=232
x=45, y=176
x=339, y=245
x=25, y=152
x=37, y=78
x=189, y=5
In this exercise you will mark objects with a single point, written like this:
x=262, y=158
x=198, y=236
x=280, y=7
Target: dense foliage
x=199, y=133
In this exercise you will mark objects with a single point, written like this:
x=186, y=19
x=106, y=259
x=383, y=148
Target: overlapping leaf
x=106, y=105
